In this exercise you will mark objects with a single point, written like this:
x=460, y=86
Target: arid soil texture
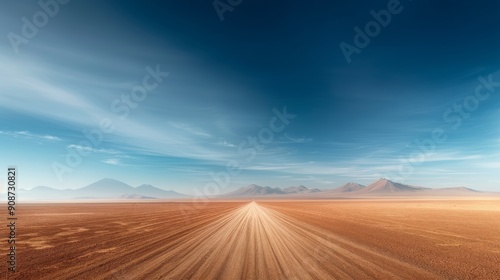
x=336, y=239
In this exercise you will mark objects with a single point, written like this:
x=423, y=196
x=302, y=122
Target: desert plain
x=263, y=239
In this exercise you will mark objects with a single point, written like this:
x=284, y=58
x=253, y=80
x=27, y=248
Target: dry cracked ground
x=358, y=239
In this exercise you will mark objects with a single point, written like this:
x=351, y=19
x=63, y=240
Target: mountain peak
x=350, y=187
x=300, y=189
x=108, y=183
x=107, y=179
x=384, y=185
x=255, y=190
x=42, y=188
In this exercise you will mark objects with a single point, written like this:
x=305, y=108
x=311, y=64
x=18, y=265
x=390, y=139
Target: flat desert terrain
x=334, y=239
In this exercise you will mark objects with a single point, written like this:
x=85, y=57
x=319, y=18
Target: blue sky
x=356, y=121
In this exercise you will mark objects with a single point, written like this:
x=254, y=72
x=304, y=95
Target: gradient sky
x=356, y=121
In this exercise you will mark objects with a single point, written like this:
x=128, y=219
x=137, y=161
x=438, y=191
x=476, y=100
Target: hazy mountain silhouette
x=103, y=189
x=300, y=189
x=387, y=186
x=149, y=190
x=349, y=187
x=255, y=190
x=380, y=187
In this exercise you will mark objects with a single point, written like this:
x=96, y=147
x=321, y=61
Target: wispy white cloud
x=93, y=150
x=112, y=161
x=451, y=156
x=492, y=164
x=30, y=136
x=298, y=139
x=304, y=169
x=66, y=104
x=226, y=144
x=191, y=129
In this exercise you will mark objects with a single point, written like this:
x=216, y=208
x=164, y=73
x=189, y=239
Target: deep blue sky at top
x=355, y=121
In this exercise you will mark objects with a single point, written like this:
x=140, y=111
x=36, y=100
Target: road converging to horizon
x=254, y=242
x=335, y=239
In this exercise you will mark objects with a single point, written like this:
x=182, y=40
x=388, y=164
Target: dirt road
x=221, y=241
x=254, y=242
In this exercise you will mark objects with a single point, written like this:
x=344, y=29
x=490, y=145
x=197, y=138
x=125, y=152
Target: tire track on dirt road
x=254, y=242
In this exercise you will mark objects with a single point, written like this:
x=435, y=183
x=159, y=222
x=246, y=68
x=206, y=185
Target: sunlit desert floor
x=336, y=239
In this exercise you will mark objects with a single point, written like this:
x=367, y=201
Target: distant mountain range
x=380, y=187
x=113, y=189
x=300, y=189
x=103, y=189
x=385, y=186
x=256, y=190
x=350, y=187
